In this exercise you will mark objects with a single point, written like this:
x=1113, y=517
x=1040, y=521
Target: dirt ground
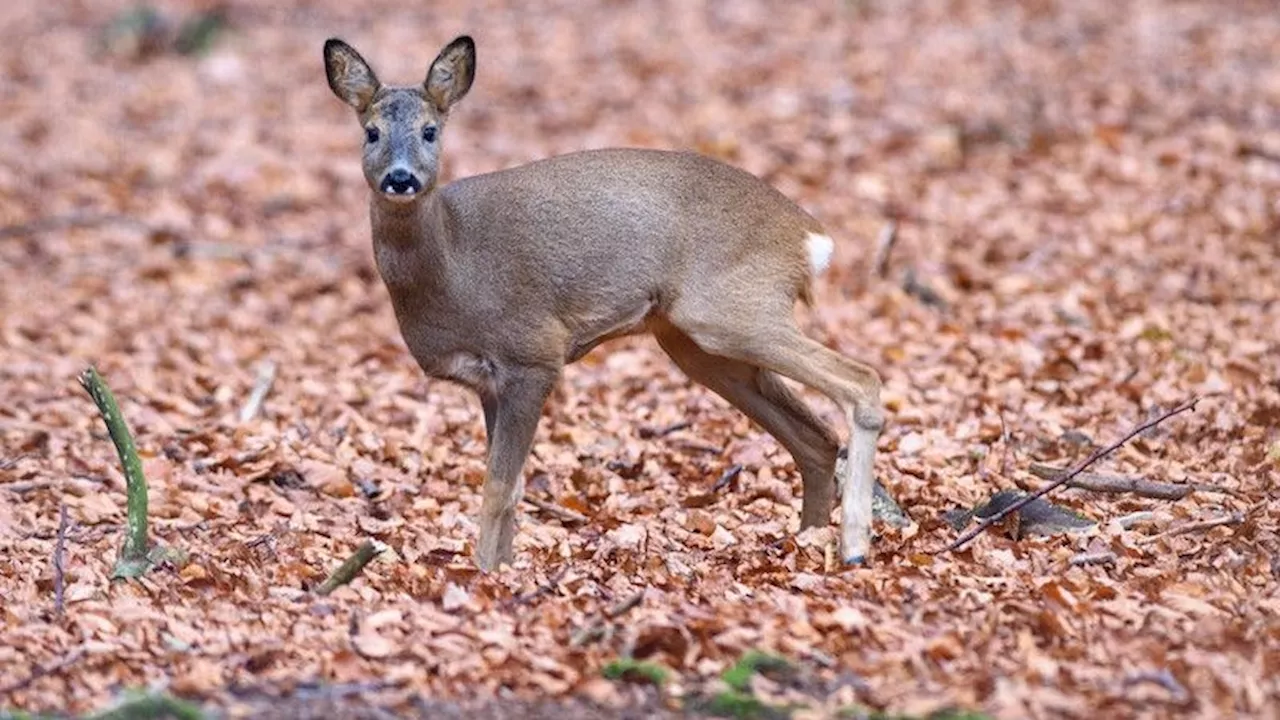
x=1085, y=199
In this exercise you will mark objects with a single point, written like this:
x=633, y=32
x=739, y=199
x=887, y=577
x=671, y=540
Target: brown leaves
x=1101, y=238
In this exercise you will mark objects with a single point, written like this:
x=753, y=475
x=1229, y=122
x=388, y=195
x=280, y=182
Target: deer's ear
x=350, y=77
x=451, y=74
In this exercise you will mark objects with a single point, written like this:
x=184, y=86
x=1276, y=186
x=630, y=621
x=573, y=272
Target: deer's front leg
x=511, y=418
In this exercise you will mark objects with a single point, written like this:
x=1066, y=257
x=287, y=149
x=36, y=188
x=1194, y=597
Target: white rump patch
x=820, y=248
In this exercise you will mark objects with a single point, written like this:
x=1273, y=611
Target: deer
x=500, y=280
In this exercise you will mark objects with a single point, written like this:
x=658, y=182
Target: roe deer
x=499, y=280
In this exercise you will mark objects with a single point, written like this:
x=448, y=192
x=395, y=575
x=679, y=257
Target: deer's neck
x=411, y=244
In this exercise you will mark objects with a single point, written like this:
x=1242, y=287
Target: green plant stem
x=136, y=545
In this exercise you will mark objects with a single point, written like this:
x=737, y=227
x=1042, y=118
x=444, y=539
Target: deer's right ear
x=350, y=77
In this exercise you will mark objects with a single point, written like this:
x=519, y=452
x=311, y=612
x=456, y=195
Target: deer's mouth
x=400, y=185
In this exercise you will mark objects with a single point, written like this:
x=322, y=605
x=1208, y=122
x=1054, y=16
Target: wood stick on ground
x=1099, y=482
x=597, y=629
x=648, y=433
x=261, y=386
x=133, y=554
x=59, y=570
x=13, y=461
x=1234, y=518
x=348, y=570
x=734, y=471
x=884, y=248
x=1102, y=557
x=1067, y=477
x=67, y=222
x=559, y=512
x=28, y=486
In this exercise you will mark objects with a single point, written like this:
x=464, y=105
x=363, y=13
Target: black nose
x=401, y=182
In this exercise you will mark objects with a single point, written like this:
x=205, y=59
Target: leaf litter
x=1088, y=191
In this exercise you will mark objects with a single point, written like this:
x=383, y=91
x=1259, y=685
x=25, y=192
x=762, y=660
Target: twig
x=1234, y=518
x=1128, y=521
x=546, y=588
x=1104, y=557
x=729, y=475
x=1164, y=679
x=699, y=447
x=59, y=570
x=649, y=433
x=262, y=386
x=13, y=461
x=596, y=629
x=1079, y=468
x=884, y=247
x=348, y=570
x=66, y=222
x=42, y=671
x=133, y=560
x=919, y=290
x=559, y=512
x=1099, y=482
x=26, y=487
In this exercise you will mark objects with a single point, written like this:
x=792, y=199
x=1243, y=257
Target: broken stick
x=559, y=512
x=348, y=570
x=884, y=248
x=261, y=386
x=1234, y=518
x=1116, y=484
x=59, y=571
x=1067, y=477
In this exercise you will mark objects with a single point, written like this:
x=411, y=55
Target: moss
x=636, y=671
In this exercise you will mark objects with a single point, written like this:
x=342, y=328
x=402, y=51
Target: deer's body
x=611, y=259
x=499, y=280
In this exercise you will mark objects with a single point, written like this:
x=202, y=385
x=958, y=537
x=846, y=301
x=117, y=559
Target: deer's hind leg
x=761, y=396
x=760, y=330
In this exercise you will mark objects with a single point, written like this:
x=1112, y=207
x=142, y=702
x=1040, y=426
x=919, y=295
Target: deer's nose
x=401, y=182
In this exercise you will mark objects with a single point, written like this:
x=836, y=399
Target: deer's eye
x=429, y=133
x=371, y=134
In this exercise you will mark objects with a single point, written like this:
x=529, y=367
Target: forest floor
x=1085, y=202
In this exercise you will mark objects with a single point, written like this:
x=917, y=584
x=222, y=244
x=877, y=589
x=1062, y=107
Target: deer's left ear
x=451, y=74
x=350, y=77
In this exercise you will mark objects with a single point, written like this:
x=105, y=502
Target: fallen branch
x=1116, y=484
x=597, y=629
x=348, y=570
x=1067, y=477
x=133, y=560
x=1234, y=518
x=884, y=247
x=559, y=512
x=59, y=570
x=261, y=386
